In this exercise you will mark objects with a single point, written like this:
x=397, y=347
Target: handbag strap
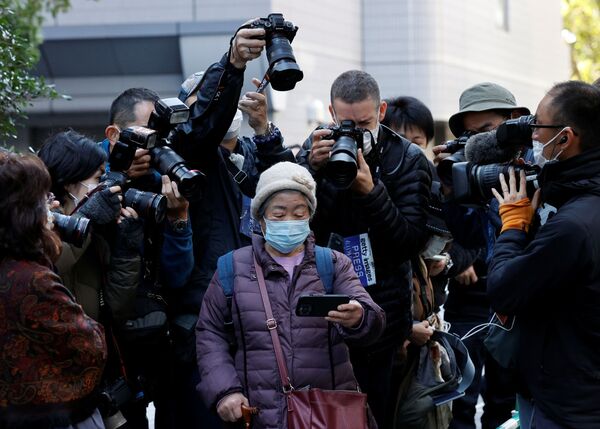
x=272, y=326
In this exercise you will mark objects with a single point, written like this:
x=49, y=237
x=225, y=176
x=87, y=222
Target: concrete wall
x=435, y=49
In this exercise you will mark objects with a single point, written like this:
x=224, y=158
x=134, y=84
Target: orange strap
x=516, y=215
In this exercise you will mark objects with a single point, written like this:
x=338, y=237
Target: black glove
x=129, y=237
x=102, y=207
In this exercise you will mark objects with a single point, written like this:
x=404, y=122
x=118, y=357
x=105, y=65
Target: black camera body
x=283, y=72
x=148, y=205
x=167, y=114
x=342, y=166
x=473, y=183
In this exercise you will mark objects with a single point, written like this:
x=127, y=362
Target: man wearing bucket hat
x=482, y=107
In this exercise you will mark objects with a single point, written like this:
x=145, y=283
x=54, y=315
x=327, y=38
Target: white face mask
x=538, y=151
x=370, y=138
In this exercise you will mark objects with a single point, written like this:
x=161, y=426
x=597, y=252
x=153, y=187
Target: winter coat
x=393, y=214
x=52, y=353
x=551, y=282
x=84, y=269
x=305, y=340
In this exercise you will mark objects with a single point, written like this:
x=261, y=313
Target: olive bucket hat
x=481, y=97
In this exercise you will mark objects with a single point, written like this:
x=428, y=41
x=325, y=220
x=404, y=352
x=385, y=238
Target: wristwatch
x=449, y=263
x=179, y=225
x=270, y=129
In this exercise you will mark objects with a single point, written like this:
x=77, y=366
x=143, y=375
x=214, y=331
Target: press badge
x=358, y=249
x=248, y=225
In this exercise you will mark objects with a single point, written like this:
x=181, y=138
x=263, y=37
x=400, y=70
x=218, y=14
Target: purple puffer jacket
x=253, y=370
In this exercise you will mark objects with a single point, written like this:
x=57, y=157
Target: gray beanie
x=284, y=176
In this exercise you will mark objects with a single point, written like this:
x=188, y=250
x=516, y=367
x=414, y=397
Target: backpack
x=325, y=269
x=422, y=404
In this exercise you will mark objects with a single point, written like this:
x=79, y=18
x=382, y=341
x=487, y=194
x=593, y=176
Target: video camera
x=156, y=138
x=342, y=166
x=473, y=183
x=455, y=147
x=283, y=71
x=483, y=157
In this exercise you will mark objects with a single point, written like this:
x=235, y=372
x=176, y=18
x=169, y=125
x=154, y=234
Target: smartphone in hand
x=319, y=305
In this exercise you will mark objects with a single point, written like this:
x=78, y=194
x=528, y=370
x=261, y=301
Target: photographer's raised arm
x=213, y=105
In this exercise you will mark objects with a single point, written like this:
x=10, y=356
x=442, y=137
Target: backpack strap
x=325, y=269
x=226, y=274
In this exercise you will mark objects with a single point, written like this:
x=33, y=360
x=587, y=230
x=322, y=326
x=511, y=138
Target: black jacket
x=551, y=281
x=215, y=218
x=393, y=214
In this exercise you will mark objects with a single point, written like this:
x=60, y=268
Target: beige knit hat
x=284, y=176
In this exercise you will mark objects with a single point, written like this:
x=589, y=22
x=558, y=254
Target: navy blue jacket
x=551, y=281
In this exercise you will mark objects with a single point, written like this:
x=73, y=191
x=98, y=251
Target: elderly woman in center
x=314, y=348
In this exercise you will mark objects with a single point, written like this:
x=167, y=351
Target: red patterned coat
x=52, y=354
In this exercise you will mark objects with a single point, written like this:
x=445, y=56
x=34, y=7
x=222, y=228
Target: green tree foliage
x=582, y=18
x=20, y=36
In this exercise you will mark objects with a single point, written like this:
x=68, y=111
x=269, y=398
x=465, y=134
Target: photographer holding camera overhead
x=483, y=107
x=373, y=189
x=545, y=268
x=220, y=187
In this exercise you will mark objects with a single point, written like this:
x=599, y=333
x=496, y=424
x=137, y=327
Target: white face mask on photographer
x=370, y=139
x=538, y=150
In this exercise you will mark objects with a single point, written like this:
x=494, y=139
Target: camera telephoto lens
x=284, y=71
x=342, y=167
x=189, y=182
x=148, y=205
x=72, y=229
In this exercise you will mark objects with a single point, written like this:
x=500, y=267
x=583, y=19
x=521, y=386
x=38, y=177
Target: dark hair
x=597, y=82
x=70, y=158
x=122, y=109
x=24, y=185
x=409, y=112
x=354, y=86
x=577, y=104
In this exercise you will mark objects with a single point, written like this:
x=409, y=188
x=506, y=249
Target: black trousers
x=373, y=370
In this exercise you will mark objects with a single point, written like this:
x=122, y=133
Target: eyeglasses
x=533, y=125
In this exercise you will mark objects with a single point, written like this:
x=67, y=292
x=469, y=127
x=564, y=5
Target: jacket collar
x=560, y=181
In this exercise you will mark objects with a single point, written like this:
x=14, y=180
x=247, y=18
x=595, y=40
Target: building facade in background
x=430, y=49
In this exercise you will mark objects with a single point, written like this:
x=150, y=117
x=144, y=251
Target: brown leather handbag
x=313, y=408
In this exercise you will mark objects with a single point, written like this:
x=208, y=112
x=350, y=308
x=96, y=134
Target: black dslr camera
x=148, y=205
x=283, y=72
x=342, y=165
x=72, y=229
x=156, y=138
